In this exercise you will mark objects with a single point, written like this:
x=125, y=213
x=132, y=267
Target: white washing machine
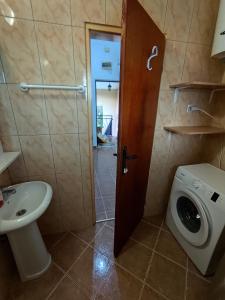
x=196, y=214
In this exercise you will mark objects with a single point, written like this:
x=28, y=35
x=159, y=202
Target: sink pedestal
x=30, y=253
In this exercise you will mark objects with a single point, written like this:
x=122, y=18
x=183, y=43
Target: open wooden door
x=142, y=53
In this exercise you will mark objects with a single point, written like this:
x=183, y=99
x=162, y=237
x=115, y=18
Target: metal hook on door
x=155, y=52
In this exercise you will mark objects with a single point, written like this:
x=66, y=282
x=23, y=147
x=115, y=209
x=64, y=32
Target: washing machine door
x=190, y=216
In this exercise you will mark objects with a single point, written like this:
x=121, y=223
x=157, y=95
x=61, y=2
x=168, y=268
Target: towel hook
x=155, y=52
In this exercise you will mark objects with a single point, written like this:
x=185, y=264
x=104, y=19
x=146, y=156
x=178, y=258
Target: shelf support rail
x=25, y=87
x=213, y=93
x=177, y=89
x=176, y=93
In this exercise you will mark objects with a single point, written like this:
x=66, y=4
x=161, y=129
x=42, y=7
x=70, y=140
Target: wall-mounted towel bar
x=26, y=87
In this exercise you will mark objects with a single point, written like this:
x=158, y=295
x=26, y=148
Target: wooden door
x=139, y=89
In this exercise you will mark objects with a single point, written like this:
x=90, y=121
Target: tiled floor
x=151, y=266
x=105, y=182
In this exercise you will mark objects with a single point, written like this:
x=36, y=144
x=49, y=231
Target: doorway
x=141, y=67
x=104, y=76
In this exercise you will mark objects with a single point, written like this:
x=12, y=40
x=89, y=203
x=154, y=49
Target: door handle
x=125, y=157
x=155, y=52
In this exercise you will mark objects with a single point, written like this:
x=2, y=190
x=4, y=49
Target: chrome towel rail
x=25, y=87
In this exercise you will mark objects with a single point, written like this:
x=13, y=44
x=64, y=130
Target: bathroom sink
x=23, y=204
x=23, y=207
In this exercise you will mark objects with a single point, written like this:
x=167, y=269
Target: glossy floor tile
x=91, y=271
x=168, y=246
x=166, y=277
x=68, y=290
x=120, y=285
x=135, y=258
x=105, y=182
x=151, y=266
x=35, y=289
x=67, y=251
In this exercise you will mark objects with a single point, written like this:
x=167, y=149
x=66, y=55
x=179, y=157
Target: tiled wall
x=214, y=147
x=189, y=27
x=44, y=43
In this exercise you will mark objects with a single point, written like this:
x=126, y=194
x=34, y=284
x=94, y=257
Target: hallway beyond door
x=105, y=182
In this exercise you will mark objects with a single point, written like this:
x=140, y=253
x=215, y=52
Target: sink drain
x=21, y=212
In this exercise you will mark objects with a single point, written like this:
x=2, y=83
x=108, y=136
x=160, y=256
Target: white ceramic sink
x=25, y=206
x=18, y=218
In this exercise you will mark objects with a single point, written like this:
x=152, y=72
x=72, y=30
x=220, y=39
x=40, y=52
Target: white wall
x=110, y=102
x=99, y=55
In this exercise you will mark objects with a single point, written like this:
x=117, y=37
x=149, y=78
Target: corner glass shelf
x=6, y=159
x=194, y=130
x=199, y=85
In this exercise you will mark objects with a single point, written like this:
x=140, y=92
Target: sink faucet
x=6, y=192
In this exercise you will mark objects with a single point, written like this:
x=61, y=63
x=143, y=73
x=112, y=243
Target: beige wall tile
x=50, y=221
x=52, y=11
x=158, y=191
x=56, y=53
x=156, y=10
x=184, y=150
x=66, y=153
x=113, y=12
x=18, y=180
x=197, y=98
x=213, y=151
x=79, y=55
x=29, y=111
x=5, y=179
x=178, y=19
x=216, y=69
x=86, y=174
x=222, y=162
x=37, y=154
x=161, y=146
x=17, y=9
x=7, y=122
x=196, y=63
x=87, y=11
x=12, y=143
x=158, y=184
x=82, y=109
x=72, y=209
x=85, y=154
x=173, y=63
x=203, y=21
x=217, y=110
x=166, y=109
x=19, y=51
x=2, y=74
x=62, y=111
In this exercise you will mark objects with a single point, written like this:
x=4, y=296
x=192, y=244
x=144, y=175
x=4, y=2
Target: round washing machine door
x=190, y=217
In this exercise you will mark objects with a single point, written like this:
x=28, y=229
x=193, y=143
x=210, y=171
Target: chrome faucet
x=6, y=192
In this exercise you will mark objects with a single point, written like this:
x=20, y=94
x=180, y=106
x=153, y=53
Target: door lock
x=126, y=157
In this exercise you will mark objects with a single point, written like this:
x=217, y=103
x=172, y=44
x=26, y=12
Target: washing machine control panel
x=215, y=197
x=205, y=192
x=196, y=184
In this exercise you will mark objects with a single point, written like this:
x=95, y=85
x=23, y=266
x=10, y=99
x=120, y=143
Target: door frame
x=104, y=29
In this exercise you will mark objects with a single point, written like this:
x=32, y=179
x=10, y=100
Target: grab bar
x=25, y=87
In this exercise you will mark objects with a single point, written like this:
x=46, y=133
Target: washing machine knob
x=196, y=184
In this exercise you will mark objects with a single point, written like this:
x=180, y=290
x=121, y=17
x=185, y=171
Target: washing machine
x=196, y=214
